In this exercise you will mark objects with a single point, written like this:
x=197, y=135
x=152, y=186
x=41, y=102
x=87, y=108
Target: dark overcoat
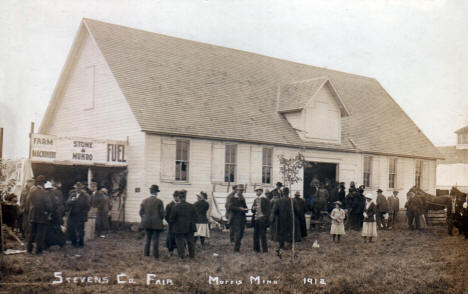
x=152, y=213
x=78, y=204
x=183, y=218
x=39, y=205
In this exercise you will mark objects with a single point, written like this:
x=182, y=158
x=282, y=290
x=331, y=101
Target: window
x=418, y=173
x=267, y=165
x=463, y=139
x=182, y=160
x=367, y=170
x=230, y=163
x=392, y=166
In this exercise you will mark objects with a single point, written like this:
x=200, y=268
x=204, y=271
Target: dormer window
x=314, y=109
x=462, y=138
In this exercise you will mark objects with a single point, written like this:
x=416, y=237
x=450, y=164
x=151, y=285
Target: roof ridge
x=229, y=48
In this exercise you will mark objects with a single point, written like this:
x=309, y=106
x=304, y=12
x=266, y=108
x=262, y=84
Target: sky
x=416, y=49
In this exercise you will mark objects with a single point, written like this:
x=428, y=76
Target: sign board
x=75, y=150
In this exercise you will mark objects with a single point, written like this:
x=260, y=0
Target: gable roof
x=187, y=88
x=295, y=96
x=462, y=130
x=453, y=155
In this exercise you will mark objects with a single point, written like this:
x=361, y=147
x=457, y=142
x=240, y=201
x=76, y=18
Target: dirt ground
x=400, y=261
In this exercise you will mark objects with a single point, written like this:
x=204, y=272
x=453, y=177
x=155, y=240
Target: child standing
x=337, y=228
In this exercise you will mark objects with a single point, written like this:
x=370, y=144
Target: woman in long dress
x=337, y=215
x=369, y=226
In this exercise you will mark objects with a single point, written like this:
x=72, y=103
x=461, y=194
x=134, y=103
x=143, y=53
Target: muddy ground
x=400, y=261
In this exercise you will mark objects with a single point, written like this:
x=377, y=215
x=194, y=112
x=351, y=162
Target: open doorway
x=321, y=170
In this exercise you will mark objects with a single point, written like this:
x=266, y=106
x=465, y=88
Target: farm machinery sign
x=74, y=150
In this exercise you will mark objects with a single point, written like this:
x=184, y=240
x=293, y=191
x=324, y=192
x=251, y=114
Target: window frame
x=365, y=172
x=182, y=159
x=418, y=176
x=267, y=167
x=230, y=168
x=394, y=174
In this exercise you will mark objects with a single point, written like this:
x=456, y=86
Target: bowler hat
x=379, y=191
x=240, y=187
x=154, y=188
x=279, y=184
x=203, y=195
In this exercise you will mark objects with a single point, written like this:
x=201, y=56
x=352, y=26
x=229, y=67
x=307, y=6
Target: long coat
x=152, y=213
x=183, y=218
x=168, y=212
x=39, y=205
x=78, y=204
x=382, y=204
x=237, y=215
x=281, y=215
x=300, y=207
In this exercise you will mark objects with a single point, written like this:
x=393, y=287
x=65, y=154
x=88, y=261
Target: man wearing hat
x=39, y=208
x=152, y=214
x=393, y=209
x=228, y=214
x=78, y=204
x=277, y=192
x=382, y=210
x=183, y=218
x=170, y=238
x=23, y=222
x=237, y=209
x=357, y=208
x=261, y=214
x=300, y=207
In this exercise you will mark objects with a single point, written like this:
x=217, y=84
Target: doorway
x=321, y=170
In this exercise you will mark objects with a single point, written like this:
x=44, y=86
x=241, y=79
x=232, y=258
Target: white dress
x=338, y=215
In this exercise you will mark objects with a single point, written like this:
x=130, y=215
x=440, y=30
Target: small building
x=196, y=116
x=453, y=170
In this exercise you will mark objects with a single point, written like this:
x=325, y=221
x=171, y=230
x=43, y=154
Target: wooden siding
x=110, y=118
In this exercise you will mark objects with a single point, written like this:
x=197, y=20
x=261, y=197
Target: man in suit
x=78, y=206
x=237, y=209
x=152, y=214
x=300, y=207
x=277, y=192
x=382, y=209
x=39, y=208
x=228, y=214
x=261, y=211
x=393, y=209
x=170, y=238
x=183, y=217
x=100, y=202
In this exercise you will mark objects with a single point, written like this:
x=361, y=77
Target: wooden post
x=31, y=132
x=294, y=225
x=1, y=143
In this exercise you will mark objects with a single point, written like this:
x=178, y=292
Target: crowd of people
x=48, y=217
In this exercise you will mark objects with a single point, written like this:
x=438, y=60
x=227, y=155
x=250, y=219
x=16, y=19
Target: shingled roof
x=181, y=87
x=453, y=155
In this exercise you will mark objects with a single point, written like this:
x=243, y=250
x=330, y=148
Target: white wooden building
x=453, y=169
x=196, y=116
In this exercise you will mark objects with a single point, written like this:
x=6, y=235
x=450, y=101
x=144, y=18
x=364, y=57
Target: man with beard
x=78, y=206
x=39, y=208
x=237, y=209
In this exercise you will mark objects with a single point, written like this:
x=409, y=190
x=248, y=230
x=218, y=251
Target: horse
x=431, y=202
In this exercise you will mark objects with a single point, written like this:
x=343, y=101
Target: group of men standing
x=43, y=208
x=273, y=209
x=185, y=220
